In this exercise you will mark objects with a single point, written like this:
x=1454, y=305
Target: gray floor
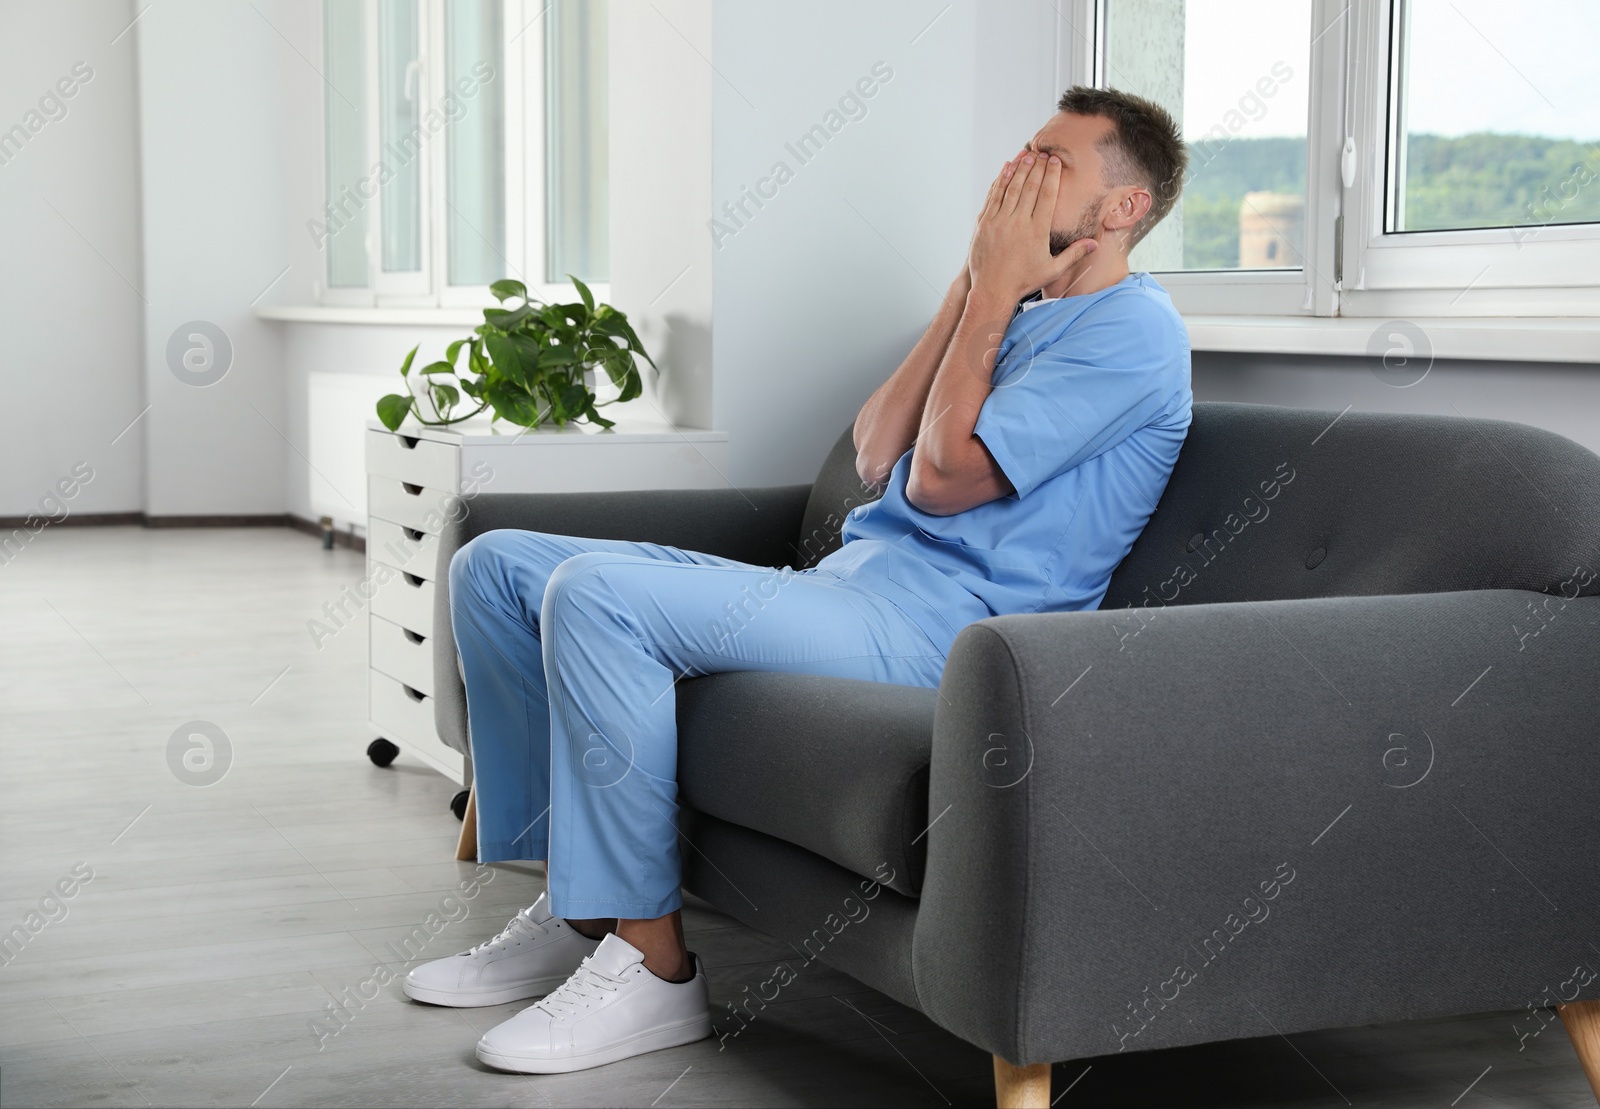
x=221, y=921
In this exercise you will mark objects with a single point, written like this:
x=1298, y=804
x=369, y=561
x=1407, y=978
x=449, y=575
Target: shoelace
x=520, y=925
x=586, y=984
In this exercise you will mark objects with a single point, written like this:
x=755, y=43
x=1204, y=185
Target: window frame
x=521, y=71
x=1353, y=265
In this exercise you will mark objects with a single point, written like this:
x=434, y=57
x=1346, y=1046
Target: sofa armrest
x=759, y=526
x=1233, y=820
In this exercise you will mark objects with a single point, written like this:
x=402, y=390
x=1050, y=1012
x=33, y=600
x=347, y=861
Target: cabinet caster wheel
x=458, y=804
x=381, y=752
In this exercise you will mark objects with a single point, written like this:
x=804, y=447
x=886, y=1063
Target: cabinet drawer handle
x=412, y=534
x=412, y=693
x=408, y=442
x=414, y=637
x=414, y=490
x=412, y=580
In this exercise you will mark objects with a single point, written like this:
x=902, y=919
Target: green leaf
x=506, y=320
x=445, y=398
x=438, y=368
x=558, y=354
x=454, y=349
x=513, y=359
x=575, y=399
x=393, y=409
x=583, y=291
x=472, y=389
x=558, y=315
x=506, y=288
x=593, y=416
x=405, y=367
x=513, y=405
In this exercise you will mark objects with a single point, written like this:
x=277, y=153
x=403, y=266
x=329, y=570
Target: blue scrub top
x=1089, y=408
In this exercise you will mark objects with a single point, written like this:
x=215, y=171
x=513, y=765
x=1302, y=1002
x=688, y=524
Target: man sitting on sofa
x=1021, y=448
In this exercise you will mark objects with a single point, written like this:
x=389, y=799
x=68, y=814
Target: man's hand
x=1010, y=252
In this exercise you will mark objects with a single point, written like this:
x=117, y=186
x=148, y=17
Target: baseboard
x=345, y=539
x=276, y=520
x=76, y=520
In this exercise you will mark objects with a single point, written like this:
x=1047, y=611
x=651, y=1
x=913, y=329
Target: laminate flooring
x=210, y=929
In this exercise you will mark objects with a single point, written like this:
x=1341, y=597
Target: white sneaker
x=611, y=1008
x=533, y=955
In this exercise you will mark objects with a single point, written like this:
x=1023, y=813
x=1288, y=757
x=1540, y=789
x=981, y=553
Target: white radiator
x=341, y=405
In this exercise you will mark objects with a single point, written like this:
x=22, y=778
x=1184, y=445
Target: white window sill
x=376, y=317
x=1515, y=339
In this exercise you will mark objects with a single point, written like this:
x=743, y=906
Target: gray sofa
x=1323, y=757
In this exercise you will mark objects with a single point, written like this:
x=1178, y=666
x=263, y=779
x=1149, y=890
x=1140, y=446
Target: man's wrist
x=985, y=303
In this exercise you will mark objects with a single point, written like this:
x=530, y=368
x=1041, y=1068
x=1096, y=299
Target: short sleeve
x=1054, y=407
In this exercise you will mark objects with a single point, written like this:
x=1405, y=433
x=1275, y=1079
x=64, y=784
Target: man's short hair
x=1143, y=147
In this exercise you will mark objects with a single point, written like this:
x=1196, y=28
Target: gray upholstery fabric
x=1379, y=503
x=836, y=766
x=826, y=913
x=836, y=491
x=1378, y=674
x=752, y=525
x=1440, y=832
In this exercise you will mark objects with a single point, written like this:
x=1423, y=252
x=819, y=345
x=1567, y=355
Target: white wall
x=212, y=123
x=374, y=351
x=1563, y=398
x=661, y=100
x=70, y=272
x=822, y=290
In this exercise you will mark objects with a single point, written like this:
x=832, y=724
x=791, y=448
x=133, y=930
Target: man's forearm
x=887, y=424
x=952, y=470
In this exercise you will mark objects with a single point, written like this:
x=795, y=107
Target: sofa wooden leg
x=1582, y=1019
x=467, y=845
x=1021, y=1087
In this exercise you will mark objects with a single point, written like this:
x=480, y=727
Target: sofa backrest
x=837, y=490
x=1270, y=503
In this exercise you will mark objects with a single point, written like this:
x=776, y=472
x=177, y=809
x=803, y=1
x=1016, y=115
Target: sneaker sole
x=657, y=1039
x=474, y=999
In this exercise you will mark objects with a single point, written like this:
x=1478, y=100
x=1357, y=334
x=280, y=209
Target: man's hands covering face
x=1010, y=253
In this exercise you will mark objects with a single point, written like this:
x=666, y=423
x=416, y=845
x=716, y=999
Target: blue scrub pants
x=571, y=649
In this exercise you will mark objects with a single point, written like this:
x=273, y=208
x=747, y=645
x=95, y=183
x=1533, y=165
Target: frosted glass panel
x=475, y=164
x=345, y=121
x=400, y=91
x=577, y=205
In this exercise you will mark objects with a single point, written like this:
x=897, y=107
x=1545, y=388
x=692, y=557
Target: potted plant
x=533, y=363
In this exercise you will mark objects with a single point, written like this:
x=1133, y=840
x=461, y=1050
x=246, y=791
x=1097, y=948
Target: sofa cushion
x=834, y=765
x=836, y=491
x=1271, y=503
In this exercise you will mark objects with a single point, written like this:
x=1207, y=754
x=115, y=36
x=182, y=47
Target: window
x=465, y=141
x=1494, y=116
x=1379, y=158
x=1233, y=73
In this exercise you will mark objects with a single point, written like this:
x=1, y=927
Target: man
x=1021, y=450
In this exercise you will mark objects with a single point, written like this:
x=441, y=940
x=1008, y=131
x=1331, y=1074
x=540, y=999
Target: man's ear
x=1133, y=206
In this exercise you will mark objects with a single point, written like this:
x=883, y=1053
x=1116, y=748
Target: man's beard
x=1088, y=224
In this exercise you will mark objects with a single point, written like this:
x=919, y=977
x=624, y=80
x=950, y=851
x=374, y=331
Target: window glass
x=475, y=164
x=400, y=138
x=577, y=205
x=1235, y=74
x=1495, y=115
x=345, y=121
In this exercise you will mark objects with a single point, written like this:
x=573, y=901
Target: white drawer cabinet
x=412, y=475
